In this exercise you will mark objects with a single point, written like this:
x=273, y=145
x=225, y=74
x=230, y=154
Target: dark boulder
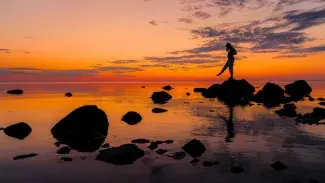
x=160, y=97
x=188, y=93
x=289, y=110
x=161, y=151
x=168, y=87
x=68, y=94
x=159, y=110
x=199, y=90
x=122, y=155
x=25, y=156
x=271, y=95
x=194, y=148
x=177, y=155
x=15, y=92
x=20, y=130
x=67, y=159
x=212, y=92
x=237, y=169
x=64, y=150
x=278, y=166
x=153, y=145
x=321, y=99
x=322, y=103
x=290, y=106
x=132, y=118
x=140, y=141
x=210, y=163
x=298, y=88
x=84, y=129
x=313, y=117
x=168, y=141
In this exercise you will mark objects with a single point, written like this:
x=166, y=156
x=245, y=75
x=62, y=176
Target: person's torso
x=231, y=53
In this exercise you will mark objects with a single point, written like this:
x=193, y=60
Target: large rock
x=15, y=92
x=132, y=118
x=236, y=91
x=168, y=87
x=271, y=95
x=20, y=130
x=194, y=148
x=84, y=129
x=212, y=92
x=298, y=88
x=122, y=155
x=160, y=97
x=199, y=90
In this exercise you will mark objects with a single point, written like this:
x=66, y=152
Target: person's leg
x=231, y=67
x=224, y=68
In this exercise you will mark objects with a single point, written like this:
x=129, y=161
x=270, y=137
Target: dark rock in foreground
x=177, y=155
x=298, y=88
x=68, y=94
x=140, y=141
x=312, y=118
x=159, y=110
x=84, y=129
x=212, y=92
x=271, y=95
x=20, y=130
x=122, y=155
x=153, y=145
x=161, y=151
x=168, y=87
x=25, y=156
x=67, y=159
x=199, y=90
x=132, y=118
x=64, y=150
x=279, y=166
x=15, y=92
x=322, y=103
x=237, y=169
x=209, y=163
x=106, y=145
x=160, y=97
x=289, y=110
x=194, y=148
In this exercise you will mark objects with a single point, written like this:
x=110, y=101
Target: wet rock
x=194, y=148
x=199, y=90
x=161, y=151
x=84, y=129
x=105, y=145
x=321, y=99
x=312, y=118
x=279, y=166
x=322, y=103
x=64, y=150
x=160, y=97
x=286, y=112
x=19, y=131
x=168, y=87
x=24, y=156
x=68, y=94
x=237, y=169
x=194, y=160
x=67, y=159
x=15, y=92
x=177, y=155
x=271, y=95
x=212, y=92
x=132, y=118
x=140, y=141
x=299, y=88
x=122, y=155
x=209, y=163
x=153, y=145
x=159, y=110
x=168, y=141
x=188, y=93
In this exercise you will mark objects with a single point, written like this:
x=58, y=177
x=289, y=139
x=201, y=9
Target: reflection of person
x=230, y=62
x=230, y=125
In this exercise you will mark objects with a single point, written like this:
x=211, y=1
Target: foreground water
x=261, y=138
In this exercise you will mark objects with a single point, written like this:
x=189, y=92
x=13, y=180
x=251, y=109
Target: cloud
x=186, y=20
x=281, y=4
x=202, y=15
x=41, y=72
x=125, y=61
x=117, y=69
x=186, y=59
x=5, y=50
x=304, y=20
x=156, y=23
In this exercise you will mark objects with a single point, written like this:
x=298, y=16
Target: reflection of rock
x=68, y=94
x=199, y=90
x=64, y=150
x=20, y=130
x=279, y=166
x=210, y=163
x=160, y=97
x=159, y=110
x=298, y=89
x=84, y=129
x=161, y=151
x=177, y=155
x=15, y=92
x=140, y=141
x=271, y=95
x=122, y=155
x=237, y=169
x=194, y=148
x=25, y=156
x=132, y=118
x=312, y=118
x=289, y=110
x=168, y=87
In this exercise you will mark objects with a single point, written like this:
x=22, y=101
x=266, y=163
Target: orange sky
x=79, y=40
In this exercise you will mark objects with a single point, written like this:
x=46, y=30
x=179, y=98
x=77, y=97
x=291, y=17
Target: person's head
x=228, y=46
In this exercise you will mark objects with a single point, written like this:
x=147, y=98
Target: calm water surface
x=261, y=138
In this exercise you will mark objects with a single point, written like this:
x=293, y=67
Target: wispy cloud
x=186, y=20
x=156, y=23
x=5, y=50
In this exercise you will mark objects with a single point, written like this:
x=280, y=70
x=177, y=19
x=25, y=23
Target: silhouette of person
x=230, y=62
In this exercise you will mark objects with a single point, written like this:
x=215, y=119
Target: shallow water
x=261, y=137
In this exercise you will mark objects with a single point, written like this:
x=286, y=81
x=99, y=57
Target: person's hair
x=228, y=45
